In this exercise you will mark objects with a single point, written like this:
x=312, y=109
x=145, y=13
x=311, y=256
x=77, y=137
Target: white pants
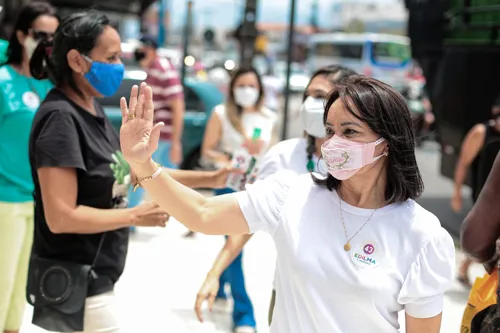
x=101, y=314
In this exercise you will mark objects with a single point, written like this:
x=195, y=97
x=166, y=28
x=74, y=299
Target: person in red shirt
x=169, y=106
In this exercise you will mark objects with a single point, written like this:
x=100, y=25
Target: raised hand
x=138, y=135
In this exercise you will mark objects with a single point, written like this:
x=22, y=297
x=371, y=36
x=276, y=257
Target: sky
x=225, y=13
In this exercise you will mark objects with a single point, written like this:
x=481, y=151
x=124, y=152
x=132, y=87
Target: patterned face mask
x=344, y=157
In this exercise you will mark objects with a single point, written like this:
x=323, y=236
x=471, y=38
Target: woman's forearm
x=460, y=175
x=88, y=220
x=234, y=245
x=220, y=215
x=193, y=179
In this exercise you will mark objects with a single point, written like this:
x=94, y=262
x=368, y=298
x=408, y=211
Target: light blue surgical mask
x=104, y=77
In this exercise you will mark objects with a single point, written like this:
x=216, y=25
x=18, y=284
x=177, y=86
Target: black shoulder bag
x=57, y=290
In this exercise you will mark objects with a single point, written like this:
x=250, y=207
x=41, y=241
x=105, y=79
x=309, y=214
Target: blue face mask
x=105, y=78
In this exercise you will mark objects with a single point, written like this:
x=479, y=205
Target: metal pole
x=187, y=34
x=291, y=35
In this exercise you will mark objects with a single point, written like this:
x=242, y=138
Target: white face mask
x=30, y=45
x=246, y=96
x=311, y=112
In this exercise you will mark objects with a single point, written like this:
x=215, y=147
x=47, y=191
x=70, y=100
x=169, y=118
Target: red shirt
x=166, y=85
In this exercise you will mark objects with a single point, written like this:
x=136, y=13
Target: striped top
x=166, y=85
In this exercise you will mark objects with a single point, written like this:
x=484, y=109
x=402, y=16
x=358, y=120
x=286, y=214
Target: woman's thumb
x=155, y=137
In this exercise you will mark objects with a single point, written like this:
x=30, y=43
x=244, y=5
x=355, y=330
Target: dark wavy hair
x=387, y=114
x=79, y=31
x=333, y=74
x=27, y=15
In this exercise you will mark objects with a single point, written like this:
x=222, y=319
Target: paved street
x=164, y=270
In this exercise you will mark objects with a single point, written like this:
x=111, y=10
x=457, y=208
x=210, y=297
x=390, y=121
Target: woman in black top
x=81, y=180
x=479, y=149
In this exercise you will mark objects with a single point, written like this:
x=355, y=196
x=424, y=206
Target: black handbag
x=57, y=290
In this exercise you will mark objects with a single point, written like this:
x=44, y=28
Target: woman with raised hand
x=20, y=97
x=353, y=247
x=301, y=155
x=81, y=181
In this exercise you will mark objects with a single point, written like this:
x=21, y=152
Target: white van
x=382, y=56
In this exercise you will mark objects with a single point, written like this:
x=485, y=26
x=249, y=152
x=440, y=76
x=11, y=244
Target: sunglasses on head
x=40, y=35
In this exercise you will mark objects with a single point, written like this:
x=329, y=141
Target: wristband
x=153, y=176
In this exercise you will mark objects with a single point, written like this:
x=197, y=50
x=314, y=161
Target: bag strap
x=99, y=247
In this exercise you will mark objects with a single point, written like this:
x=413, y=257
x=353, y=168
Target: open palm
x=138, y=135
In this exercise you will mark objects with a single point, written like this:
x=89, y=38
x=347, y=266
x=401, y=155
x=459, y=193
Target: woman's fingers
x=200, y=298
x=133, y=99
x=211, y=300
x=139, y=110
x=148, y=104
x=124, y=109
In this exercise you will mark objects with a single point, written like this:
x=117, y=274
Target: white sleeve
x=270, y=164
x=262, y=202
x=430, y=275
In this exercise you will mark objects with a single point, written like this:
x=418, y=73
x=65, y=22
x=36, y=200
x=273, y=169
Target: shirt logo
x=368, y=249
x=366, y=255
x=31, y=100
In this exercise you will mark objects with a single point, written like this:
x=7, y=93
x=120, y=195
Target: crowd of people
x=339, y=203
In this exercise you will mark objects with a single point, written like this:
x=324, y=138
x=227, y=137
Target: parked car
x=200, y=99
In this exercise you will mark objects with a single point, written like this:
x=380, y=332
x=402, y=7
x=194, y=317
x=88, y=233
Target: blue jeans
x=162, y=156
x=243, y=309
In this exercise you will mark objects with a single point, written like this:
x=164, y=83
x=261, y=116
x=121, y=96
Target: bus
x=382, y=56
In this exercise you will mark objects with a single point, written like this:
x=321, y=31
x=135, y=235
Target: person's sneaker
x=245, y=329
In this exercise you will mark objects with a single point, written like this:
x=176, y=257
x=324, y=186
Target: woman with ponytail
x=301, y=155
x=20, y=96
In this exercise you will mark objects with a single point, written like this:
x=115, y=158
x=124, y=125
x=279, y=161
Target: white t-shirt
x=289, y=155
x=401, y=260
x=231, y=139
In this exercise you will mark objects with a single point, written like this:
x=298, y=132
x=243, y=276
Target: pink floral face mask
x=344, y=157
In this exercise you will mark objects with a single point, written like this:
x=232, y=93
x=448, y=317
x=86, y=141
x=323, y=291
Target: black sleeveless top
x=485, y=159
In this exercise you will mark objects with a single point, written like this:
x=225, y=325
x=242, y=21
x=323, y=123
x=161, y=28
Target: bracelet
x=153, y=176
